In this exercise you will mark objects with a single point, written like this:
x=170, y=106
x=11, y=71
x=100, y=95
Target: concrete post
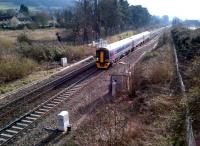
x=114, y=88
x=63, y=121
x=64, y=62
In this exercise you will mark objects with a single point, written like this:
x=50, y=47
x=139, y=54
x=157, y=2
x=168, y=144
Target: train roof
x=117, y=44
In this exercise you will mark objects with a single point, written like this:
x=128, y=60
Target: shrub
x=75, y=53
x=159, y=73
x=187, y=43
x=40, y=52
x=149, y=55
x=51, y=52
x=15, y=68
x=23, y=38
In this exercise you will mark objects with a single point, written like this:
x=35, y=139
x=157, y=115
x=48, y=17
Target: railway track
x=30, y=95
x=24, y=122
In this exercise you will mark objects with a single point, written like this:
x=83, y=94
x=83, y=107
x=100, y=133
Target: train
x=106, y=55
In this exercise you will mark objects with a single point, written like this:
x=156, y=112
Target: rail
x=48, y=86
x=24, y=122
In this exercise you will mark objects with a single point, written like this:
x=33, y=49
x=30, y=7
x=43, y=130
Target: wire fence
x=190, y=139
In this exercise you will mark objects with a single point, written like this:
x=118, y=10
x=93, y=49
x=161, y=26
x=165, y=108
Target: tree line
x=93, y=19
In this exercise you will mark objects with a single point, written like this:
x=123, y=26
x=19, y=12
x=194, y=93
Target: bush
x=15, y=68
x=40, y=52
x=187, y=43
x=23, y=38
x=75, y=53
x=44, y=52
x=149, y=55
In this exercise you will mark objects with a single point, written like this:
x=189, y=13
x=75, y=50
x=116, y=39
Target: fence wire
x=189, y=130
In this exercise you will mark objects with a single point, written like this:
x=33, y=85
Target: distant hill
x=41, y=3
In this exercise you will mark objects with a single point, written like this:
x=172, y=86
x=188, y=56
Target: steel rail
x=43, y=89
x=28, y=119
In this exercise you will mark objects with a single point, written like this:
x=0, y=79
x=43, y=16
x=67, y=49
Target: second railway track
x=29, y=96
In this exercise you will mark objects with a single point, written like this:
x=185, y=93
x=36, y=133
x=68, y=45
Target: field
x=39, y=34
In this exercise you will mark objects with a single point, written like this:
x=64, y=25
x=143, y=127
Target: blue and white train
x=107, y=55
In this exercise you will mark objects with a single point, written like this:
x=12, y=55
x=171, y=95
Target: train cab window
x=106, y=54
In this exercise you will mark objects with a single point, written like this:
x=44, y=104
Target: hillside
x=38, y=3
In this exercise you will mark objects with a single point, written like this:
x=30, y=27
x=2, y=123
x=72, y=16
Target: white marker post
x=63, y=121
x=64, y=62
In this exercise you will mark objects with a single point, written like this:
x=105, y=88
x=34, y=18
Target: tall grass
x=42, y=53
x=6, y=42
x=15, y=67
x=155, y=68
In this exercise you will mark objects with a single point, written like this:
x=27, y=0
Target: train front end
x=102, y=58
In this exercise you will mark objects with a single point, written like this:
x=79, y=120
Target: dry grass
x=15, y=67
x=155, y=68
x=33, y=77
x=6, y=42
x=38, y=34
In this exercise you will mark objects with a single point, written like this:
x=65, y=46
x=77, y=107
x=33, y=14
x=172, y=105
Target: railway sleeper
x=45, y=110
x=35, y=115
x=63, y=95
x=60, y=97
x=72, y=90
x=6, y=135
x=48, y=107
x=16, y=127
x=55, y=102
x=31, y=118
x=39, y=112
x=78, y=87
x=58, y=100
x=51, y=104
x=12, y=131
x=27, y=121
x=3, y=139
x=22, y=124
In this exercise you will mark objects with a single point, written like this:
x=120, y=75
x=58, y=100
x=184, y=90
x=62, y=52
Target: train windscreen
x=102, y=55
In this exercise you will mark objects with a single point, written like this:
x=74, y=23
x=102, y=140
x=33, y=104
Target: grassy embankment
x=145, y=119
x=22, y=62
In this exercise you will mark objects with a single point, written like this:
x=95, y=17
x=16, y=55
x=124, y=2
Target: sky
x=184, y=9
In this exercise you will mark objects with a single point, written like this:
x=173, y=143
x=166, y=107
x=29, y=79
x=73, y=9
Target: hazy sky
x=184, y=9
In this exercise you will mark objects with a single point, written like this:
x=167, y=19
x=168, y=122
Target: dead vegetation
x=39, y=34
x=156, y=68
